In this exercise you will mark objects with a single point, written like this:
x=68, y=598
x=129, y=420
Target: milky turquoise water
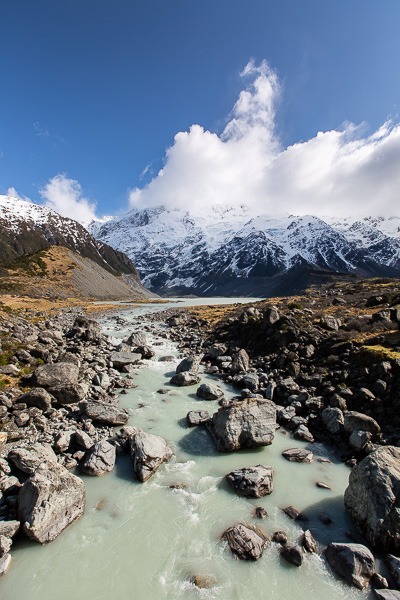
x=145, y=541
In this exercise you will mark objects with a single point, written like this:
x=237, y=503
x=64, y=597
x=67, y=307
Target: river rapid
x=146, y=541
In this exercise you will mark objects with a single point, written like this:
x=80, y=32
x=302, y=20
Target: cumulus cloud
x=341, y=172
x=13, y=192
x=65, y=196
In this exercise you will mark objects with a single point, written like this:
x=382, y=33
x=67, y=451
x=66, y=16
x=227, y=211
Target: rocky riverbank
x=293, y=365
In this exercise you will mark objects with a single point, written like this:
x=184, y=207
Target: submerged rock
x=49, y=501
x=245, y=541
x=246, y=424
x=254, y=482
x=148, y=452
x=293, y=555
x=353, y=563
x=373, y=498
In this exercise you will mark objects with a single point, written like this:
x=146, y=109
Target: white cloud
x=13, y=192
x=334, y=173
x=65, y=196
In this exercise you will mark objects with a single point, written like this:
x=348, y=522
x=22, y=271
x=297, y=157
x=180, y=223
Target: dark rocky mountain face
x=27, y=228
x=229, y=252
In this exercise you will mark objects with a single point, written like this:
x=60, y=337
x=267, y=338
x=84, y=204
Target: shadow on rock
x=198, y=442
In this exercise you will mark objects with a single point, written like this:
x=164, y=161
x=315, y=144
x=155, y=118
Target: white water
x=145, y=541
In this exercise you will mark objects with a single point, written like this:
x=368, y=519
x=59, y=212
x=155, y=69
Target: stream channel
x=146, y=541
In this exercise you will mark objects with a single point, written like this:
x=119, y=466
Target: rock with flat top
x=298, y=455
x=105, y=413
x=148, y=453
x=29, y=455
x=245, y=541
x=209, y=391
x=51, y=375
x=50, y=500
x=248, y=423
x=122, y=359
x=373, y=498
x=353, y=563
x=254, y=482
x=387, y=594
x=185, y=378
x=9, y=528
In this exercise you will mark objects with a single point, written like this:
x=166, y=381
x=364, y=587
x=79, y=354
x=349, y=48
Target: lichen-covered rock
x=373, y=498
x=254, y=482
x=353, y=563
x=100, y=459
x=245, y=541
x=245, y=424
x=105, y=413
x=29, y=455
x=148, y=453
x=49, y=501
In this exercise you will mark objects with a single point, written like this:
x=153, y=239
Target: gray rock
x=29, y=455
x=394, y=567
x=271, y=316
x=100, y=459
x=304, y=434
x=366, y=394
x=122, y=359
x=308, y=542
x=387, y=594
x=185, y=378
x=83, y=439
x=101, y=380
x=105, y=413
x=38, y=397
x=197, y=417
x=5, y=563
x=298, y=455
x=246, y=424
x=280, y=537
x=245, y=541
x=254, y=482
x=353, y=563
x=330, y=323
x=293, y=555
x=209, y=391
x=9, y=528
x=333, y=419
x=85, y=329
x=137, y=338
x=190, y=364
x=355, y=420
x=148, y=453
x=359, y=439
x=63, y=440
x=10, y=370
x=5, y=545
x=49, y=501
x=58, y=374
x=241, y=362
x=216, y=350
x=373, y=498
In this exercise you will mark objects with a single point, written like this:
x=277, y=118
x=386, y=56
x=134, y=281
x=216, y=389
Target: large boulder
x=100, y=459
x=53, y=375
x=354, y=420
x=137, y=338
x=85, y=329
x=148, y=453
x=209, y=391
x=197, y=417
x=122, y=359
x=69, y=394
x=105, y=413
x=241, y=362
x=190, y=363
x=245, y=424
x=37, y=397
x=254, y=482
x=27, y=456
x=185, y=378
x=373, y=498
x=353, y=563
x=49, y=501
x=245, y=541
x=387, y=594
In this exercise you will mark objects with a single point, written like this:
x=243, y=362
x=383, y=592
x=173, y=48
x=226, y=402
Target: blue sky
x=94, y=91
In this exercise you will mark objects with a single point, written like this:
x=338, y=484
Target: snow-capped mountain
x=26, y=228
x=229, y=251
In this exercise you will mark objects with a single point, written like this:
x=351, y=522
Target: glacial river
x=145, y=541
